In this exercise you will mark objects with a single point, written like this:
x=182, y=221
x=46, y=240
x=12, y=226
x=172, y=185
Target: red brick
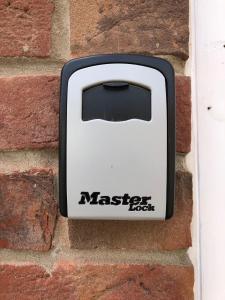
x=103, y=282
x=25, y=27
x=134, y=26
x=183, y=113
x=28, y=210
x=29, y=112
x=171, y=234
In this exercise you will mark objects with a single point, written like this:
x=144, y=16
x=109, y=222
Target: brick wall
x=44, y=256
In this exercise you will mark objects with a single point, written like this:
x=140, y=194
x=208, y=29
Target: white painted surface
x=192, y=157
x=115, y=158
x=210, y=104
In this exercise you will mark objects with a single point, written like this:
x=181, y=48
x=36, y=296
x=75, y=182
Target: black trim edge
x=159, y=64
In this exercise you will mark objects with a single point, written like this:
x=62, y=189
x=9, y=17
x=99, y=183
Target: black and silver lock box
x=117, y=138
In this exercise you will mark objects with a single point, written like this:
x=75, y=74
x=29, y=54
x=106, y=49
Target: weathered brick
x=28, y=210
x=29, y=112
x=134, y=26
x=94, y=281
x=140, y=235
x=183, y=113
x=25, y=27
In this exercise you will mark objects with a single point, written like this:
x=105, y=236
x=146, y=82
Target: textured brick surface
x=137, y=26
x=140, y=235
x=29, y=112
x=103, y=282
x=28, y=210
x=25, y=27
x=183, y=113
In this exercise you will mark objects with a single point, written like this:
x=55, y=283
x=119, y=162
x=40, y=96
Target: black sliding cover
x=116, y=101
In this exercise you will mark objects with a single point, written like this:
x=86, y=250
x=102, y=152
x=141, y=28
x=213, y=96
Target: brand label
x=134, y=203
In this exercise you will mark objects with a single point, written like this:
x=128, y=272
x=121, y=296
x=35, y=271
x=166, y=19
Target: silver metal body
x=117, y=158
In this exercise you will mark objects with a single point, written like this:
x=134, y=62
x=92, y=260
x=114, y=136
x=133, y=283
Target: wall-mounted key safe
x=117, y=138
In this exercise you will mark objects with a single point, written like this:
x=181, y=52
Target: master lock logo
x=134, y=203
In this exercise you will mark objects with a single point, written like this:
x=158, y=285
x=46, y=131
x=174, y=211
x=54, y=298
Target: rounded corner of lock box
x=62, y=211
x=170, y=212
